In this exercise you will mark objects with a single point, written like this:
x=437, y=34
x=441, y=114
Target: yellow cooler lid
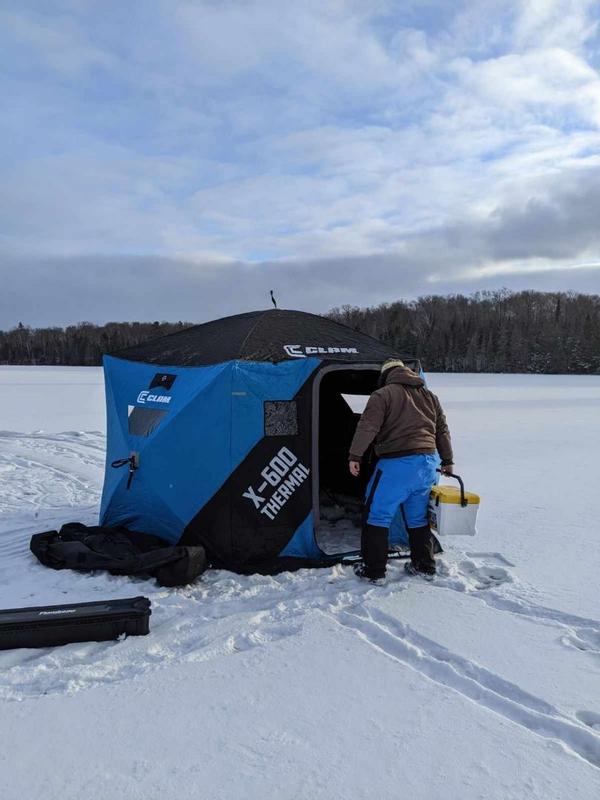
x=451, y=494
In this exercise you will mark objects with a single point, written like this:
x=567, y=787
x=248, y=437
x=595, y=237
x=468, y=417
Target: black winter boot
x=422, y=549
x=374, y=551
x=361, y=572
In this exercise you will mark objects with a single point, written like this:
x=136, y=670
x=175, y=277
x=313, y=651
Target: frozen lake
x=53, y=399
x=312, y=685
x=58, y=399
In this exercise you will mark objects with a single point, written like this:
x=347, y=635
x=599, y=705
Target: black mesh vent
x=162, y=379
x=281, y=418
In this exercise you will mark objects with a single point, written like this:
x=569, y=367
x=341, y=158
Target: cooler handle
x=463, y=500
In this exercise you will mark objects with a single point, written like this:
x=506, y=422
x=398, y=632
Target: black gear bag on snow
x=50, y=626
x=120, y=551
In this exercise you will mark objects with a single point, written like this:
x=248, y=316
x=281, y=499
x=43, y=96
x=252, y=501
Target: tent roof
x=273, y=335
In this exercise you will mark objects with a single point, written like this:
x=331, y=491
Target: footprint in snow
x=490, y=558
x=586, y=640
x=476, y=576
x=589, y=718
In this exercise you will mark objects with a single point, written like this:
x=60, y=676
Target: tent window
x=144, y=421
x=281, y=418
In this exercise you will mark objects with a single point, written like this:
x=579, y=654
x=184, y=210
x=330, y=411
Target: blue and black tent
x=228, y=431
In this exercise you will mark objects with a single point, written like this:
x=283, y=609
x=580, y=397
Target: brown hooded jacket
x=403, y=418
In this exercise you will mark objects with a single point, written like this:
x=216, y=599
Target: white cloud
x=549, y=84
x=554, y=23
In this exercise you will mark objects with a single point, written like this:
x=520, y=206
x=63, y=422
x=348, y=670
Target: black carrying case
x=48, y=626
x=118, y=550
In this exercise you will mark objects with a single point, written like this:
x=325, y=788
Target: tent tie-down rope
x=133, y=461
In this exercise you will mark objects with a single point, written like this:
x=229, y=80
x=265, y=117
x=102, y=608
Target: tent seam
x=250, y=332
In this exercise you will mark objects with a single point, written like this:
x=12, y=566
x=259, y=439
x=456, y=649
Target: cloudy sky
x=176, y=160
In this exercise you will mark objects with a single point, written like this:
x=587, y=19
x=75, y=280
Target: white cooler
x=452, y=511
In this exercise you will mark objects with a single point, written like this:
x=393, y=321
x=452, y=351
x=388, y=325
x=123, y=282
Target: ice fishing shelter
x=227, y=433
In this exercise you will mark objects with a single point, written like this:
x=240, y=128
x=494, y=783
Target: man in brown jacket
x=406, y=423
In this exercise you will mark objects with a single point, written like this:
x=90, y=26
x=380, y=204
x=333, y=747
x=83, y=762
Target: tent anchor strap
x=133, y=461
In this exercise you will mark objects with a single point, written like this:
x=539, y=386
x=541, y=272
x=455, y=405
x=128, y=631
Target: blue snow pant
x=405, y=482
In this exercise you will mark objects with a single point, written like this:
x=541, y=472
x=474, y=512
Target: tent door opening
x=340, y=394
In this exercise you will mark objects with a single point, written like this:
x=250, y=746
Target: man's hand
x=448, y=469
x=354, y=468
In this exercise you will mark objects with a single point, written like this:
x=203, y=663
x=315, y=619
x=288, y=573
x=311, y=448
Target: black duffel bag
x=120, y=551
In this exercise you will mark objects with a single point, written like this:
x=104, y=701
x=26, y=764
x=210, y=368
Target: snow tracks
x=402, y=643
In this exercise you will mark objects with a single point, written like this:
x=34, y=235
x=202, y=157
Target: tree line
x=77, y=345
x=501, y=331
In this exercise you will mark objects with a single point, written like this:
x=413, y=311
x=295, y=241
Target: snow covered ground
x=484, y=684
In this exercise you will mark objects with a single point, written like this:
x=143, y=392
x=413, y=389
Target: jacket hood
x=405, y=376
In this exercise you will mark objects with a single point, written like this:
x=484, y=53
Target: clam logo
x=294, y=350
x=302, y=351
x=146, y=397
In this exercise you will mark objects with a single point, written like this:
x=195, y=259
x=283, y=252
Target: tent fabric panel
x=134, y=384
x=116, y=442
x=191, y=458
x=268, y=494
x=139, y=508
x=213, y=342
x=147, y=504
x=253, y=384
x=281, y=335
x=303, y=544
